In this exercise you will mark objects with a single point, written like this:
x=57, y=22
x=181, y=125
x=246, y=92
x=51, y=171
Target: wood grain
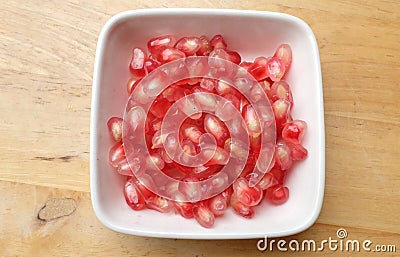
x=47, y=50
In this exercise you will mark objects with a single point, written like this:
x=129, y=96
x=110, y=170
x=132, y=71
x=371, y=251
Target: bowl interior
x=252, y=34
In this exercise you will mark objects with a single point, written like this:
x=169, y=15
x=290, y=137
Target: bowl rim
x=125, y=15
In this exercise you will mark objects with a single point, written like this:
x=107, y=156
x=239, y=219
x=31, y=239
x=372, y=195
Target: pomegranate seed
x=205, y=47
x=280, y=90
x=281, y=110
x=158, y=139
x=191, y=132
x=277, y=194
x=298, y=152
x=251, y=120
x=191, y=108
x=218, y=42
x=284, y=53
x=218, y=64
x=237, y=148
x=124, y=169
x=191, y=191
x=240, y=208
x=259, y=68
x=208, y=84
x=279, y=175
x=216, y=128
x=234, y=57
x=159, y=204
x=224, y=88
x=151, y=64
x=275, y=69
x=293, y=132
x=227, y=193
x=146, y=182
x=168, y=54
x=155, y=45
x=203, y=215
x=116, y=154
x=220, y=180
x=283, y=155
x=155, y=160
x=115, y=128
x=132, y=196
x=218, y=205
x=245, y=65
x=137, y=63
x=160, y=108
x=220, y=157
x=249, y=196
x=185, y=209
x=188, y=45
x=267, y=181
x=132, y=84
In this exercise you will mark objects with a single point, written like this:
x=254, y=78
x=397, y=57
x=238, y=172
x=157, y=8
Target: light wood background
x=47, y=51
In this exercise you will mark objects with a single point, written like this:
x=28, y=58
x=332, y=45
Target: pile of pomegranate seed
x=205, y=143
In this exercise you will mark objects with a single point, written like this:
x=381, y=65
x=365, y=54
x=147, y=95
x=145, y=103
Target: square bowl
x=253, y=34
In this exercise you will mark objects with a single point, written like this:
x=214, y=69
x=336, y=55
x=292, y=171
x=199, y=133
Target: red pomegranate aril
x=185, y=209
x=115, y=128
x=169, y=54
x=275, y=69
x=258, y=68
x=217, y=63
x=280, y=90
x=234, y=57
x=191, y=191
x=208, y=84
x=251, y=120
x=191, y=132
x=205, y=47
x=218, y=205
x=137, y=62
x=217, y=128
x=160, y=107
x=124, y=168
x=240, y=208
x=203, y=215
x=142, y=185
x=132, y=83
x=284, y=53
x=220, y=157
x=281, y=110
x=297, y=152
x=224, y=88
x=267, y=181
x=151, y=64
x=277, y=194
x=245, y=65
x=159, y=203
x=283, y=158
x=155, y=160
x=188, y=45
x=294, y=131
x=249, y=196
x=279, y=175
x=116, y=154
x=218, y=42
x=156, y=44
x=227, y=193
x=132, y=196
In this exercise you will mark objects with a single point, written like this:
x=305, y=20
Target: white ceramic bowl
x=253, y=34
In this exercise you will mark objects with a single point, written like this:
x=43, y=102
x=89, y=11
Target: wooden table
x=47, y=51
